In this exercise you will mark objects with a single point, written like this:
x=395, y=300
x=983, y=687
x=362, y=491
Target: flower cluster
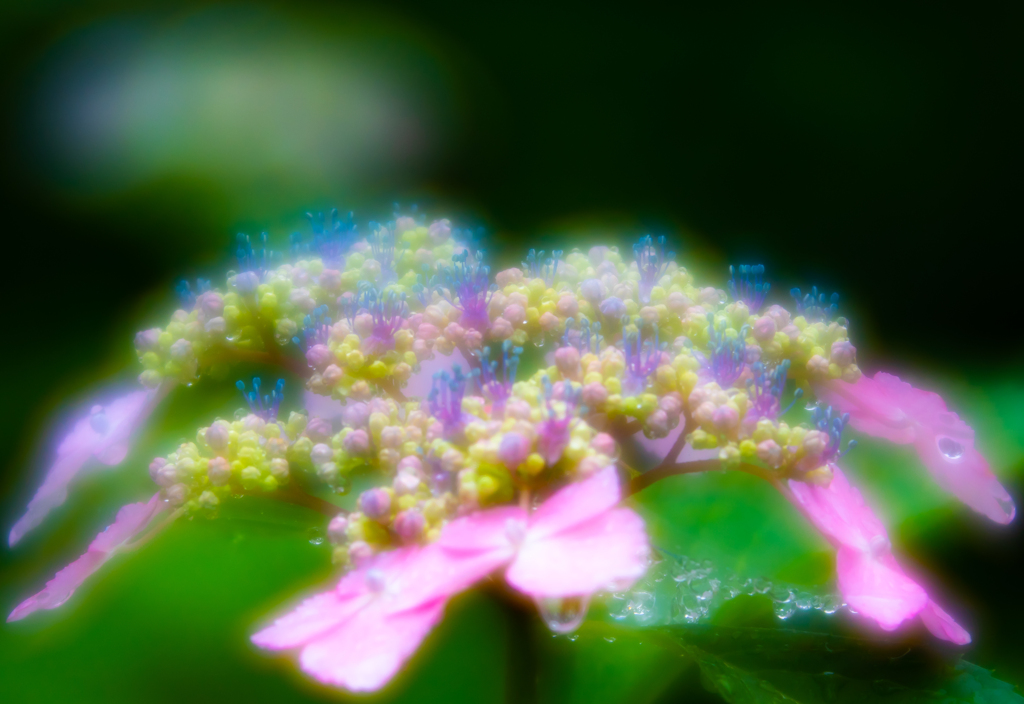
x=411, y=354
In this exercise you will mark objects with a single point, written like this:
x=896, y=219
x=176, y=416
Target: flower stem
x=646, y=479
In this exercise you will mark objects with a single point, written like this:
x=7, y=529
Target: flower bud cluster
x=227, y=458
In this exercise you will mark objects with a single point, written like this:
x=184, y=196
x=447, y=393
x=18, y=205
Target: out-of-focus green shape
x=776, y=666
x=604, y=663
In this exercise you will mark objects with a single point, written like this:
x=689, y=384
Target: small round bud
x=155, y=466
x=336, y=529
x=217, y=437
x=208, y=500
x=279, y=469
x=176, y=494
x=409, y=525
x=514, y=449
x=357, y=443
x=319, y=356
x=375, y=503
x=321, y=453
x=218, y=471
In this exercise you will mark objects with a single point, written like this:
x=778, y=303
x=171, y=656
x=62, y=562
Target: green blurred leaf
x=749, y=665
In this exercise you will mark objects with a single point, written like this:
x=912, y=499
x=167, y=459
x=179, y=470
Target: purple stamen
x=652, y=262
x=498, y=388
x=553, y=433
x=388, y=311
x=728, y=355
x=641, y=361
x=445, y=401
x=765, y=390
x=467, y=287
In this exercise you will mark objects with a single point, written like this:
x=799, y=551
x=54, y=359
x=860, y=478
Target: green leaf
x=748, y=665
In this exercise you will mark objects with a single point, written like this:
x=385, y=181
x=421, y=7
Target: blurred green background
x=871, y=151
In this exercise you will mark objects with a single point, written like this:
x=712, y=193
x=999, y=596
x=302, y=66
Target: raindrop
x=563, y=615
x=785, y=609
x=950, y=448
x=610, y=639
x=316, y=541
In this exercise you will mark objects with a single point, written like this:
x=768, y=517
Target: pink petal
x=482, y=531
x=325, y=407
x=130, y=521
x=576, y=503
x=312, y=618
x=872, y=408
x=608, y=552
x=365, y=652
x=51, y=494
x=878, y=588
x=420, y=382
x=436, y=573
x=123, y=416
x=948, y=452
x=893, y=409
x=838, y=510
x=942, y=624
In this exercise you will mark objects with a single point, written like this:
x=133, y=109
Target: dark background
x=873, y=151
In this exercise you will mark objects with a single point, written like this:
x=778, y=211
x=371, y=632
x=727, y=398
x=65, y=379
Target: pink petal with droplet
x=967, y=476
x=877, y=588
x=366, y=651
x=942, y=624
x=607, y=552
x=130, y=521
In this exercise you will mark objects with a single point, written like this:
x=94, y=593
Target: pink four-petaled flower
x=359, y=634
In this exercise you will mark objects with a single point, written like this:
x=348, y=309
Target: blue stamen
x=266, y=407
x=316, y=329
x=185, y=294
x=586, y=340
x=538, y=267
x=387, y=249
x=498, y=388
x=813, y=305
x=748, y=287
x=766, y=389
x=824, y=421
x=252, y=259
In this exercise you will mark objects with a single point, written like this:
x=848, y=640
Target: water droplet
x=610, y=639
x=316, y=541
x=785, y=610
x=574, y=637
x=950, y=448
x=563, y=615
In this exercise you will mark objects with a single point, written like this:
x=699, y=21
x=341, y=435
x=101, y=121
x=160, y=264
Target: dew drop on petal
x=950, y=448
x=563, y=615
